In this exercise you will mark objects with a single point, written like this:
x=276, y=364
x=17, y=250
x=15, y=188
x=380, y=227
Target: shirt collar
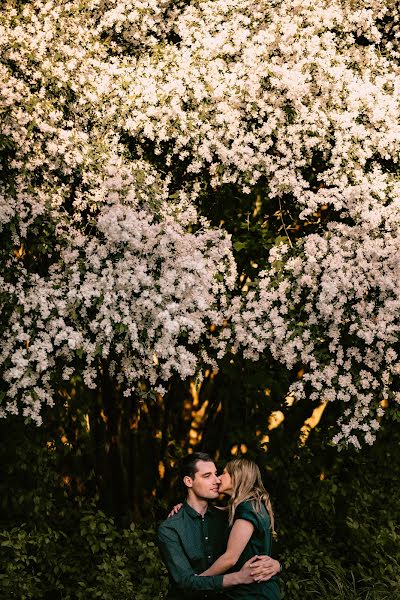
x=194, y=514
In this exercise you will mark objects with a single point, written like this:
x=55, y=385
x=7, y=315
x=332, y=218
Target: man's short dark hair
x=189, y=463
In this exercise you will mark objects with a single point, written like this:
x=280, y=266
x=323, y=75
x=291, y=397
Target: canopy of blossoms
x=114, y=115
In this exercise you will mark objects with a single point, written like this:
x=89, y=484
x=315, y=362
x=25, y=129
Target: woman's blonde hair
x=247, y=485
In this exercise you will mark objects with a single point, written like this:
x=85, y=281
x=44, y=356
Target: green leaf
x=238, y=246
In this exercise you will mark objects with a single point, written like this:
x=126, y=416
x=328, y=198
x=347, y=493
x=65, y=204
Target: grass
x=337, y=584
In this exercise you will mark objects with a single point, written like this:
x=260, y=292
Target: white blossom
x=117, y=116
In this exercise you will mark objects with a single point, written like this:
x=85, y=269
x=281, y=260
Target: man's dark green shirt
x=189, y=543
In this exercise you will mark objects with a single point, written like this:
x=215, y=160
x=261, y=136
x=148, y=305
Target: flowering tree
x=111, y=275
x=121, y=119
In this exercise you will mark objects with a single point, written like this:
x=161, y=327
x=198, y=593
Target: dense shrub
x=337, y=514
x=56, y=543
x=87, y=559
x=338, y=519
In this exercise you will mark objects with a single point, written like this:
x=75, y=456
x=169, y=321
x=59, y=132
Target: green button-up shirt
x=189, y=543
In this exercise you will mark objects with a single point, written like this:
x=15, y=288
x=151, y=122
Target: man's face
x=205, y=482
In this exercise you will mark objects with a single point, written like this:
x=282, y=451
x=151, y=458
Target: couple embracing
x=219, y=554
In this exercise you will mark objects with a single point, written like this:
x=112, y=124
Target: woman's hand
x=175, y=509
x=264, y=567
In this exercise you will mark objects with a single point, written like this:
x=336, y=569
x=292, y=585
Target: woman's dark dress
x=259, y=543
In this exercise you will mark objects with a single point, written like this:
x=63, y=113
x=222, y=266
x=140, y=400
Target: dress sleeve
x=246, y=511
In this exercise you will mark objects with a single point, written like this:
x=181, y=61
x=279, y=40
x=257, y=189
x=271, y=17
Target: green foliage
x=335, y=583
x=338, y=520
x=56, y=544
x=337, y=513
x=87, y=559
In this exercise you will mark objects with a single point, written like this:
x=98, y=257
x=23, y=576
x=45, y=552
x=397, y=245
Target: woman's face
x=225, y=487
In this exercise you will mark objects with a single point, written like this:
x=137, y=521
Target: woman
x=252, y=524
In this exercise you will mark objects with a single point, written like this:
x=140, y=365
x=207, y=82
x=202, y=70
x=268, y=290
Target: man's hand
x=255, y=570
x=245, y=574
x=263, y=568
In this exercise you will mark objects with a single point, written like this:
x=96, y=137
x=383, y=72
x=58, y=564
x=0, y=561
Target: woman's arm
x=240, y=534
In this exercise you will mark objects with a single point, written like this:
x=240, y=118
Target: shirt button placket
x=206, y=540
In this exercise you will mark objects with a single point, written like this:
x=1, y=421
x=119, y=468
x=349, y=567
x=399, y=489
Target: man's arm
x=245, y=575
x=182, y=573
x=179, y=567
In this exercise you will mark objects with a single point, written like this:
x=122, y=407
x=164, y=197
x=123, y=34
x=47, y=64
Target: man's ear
x=188, y=481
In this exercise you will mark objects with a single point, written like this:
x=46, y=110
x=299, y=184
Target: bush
x=90, y=560
x=338, y=521
x=337, y=518
x=56, y=543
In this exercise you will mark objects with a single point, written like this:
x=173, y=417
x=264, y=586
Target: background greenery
x=60, y=538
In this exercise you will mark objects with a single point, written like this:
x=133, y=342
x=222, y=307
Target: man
x=193, y=538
